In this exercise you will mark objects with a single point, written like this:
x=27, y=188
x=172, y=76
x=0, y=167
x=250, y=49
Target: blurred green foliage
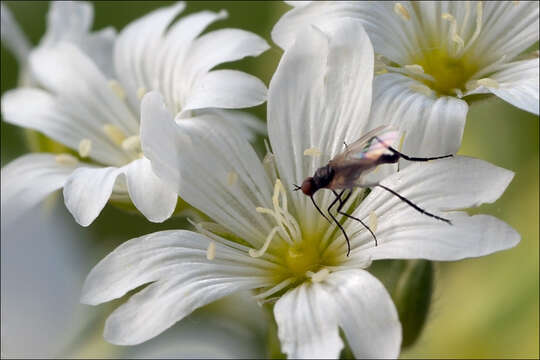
x=486, y=307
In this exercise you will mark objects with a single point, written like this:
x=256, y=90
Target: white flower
x=432, y=54
x=272, y=240
x=98, y=115
x=67, y=21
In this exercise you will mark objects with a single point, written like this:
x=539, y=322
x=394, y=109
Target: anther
x=117, y=89
x=415, y=69
x=312, y=152
x=422, y=89
x=402, y=11
x=453, y=31
x=66, y=159
x=114, y=133
x=373, y=221
x=232, y=178
x=319, y=276
x=211, y=250
x=489, y=83
x=132, y=143
x=84, y=147
x=141, y=92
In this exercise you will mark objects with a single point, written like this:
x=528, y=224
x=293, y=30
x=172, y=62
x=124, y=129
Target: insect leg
x=407, y=157
x=319, y=209
x=354, y=218
x=338, y=198
x=416, y=207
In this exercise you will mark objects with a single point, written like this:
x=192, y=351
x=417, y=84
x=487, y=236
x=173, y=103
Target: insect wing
x=370, y=146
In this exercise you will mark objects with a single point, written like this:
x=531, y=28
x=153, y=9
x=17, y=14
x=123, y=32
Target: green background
x=486, y=307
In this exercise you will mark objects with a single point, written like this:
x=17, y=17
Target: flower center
x=449, y=74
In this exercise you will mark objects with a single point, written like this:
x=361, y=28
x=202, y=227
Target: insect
x=348, y=170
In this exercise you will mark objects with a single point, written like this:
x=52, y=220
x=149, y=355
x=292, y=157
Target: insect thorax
x=323, y=176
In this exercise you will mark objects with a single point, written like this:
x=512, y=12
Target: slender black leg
x=352, y=217
x=416, y=207
x=338, y=198
x=319, y=210
x=410, y=158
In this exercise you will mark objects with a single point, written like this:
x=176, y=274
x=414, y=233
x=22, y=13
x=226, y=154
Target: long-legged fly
x=348, y=170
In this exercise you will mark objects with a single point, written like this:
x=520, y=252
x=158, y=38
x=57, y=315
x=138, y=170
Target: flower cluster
x=145, y=118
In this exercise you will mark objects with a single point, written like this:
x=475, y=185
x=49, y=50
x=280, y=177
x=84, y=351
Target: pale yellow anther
x=319, y=276
x=489, y=83
x=141, y=92
x=312, y=152
x=211, y=250
x=422, y=89
x=114, y=133
x=117, y=89
x=373, y=221
x=132, y=143
x=66, y=159
x=415, y=69
x=402, y=11
x=232, y=178
x=85, y=145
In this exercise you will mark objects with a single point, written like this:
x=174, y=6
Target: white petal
x=183, y=281
x=518, y=84
x=366, y=313
x=87, y=191
x=433, y=126
x=226, y=89
x=448, y=184
x=70, y=74
x=508, y=29
x=152, y=197
x=60, y=120
x=27, y=180
x=71, y=21
x=391, y=35
x=319, y=97
x=136, y=49
x=12, y=36
x=220, y=46
x=196, y=157
x=439, y=185
x=307, y=323
x=176, y=46
x=242, y=122
x=411, y=235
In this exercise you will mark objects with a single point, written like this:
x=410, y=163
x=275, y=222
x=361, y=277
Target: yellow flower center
x=449, y=74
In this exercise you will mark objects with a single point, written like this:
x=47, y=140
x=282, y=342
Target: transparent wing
x=370, y=146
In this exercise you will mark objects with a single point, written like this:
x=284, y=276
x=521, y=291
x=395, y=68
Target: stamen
x=132, y=143
x=373, y=221
x=312, y=152
x=114, y=133
x=117, y=89
x=453, y=32
x=232, y=178
x=84, y=147
x=274, y=289
x=141, y=92
x=489, y=83
x=479, y=15
x=211, y=250
x=258, y=253
x=66, y=159
x=422, y=89
x=319, y=276
x=402, y=11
